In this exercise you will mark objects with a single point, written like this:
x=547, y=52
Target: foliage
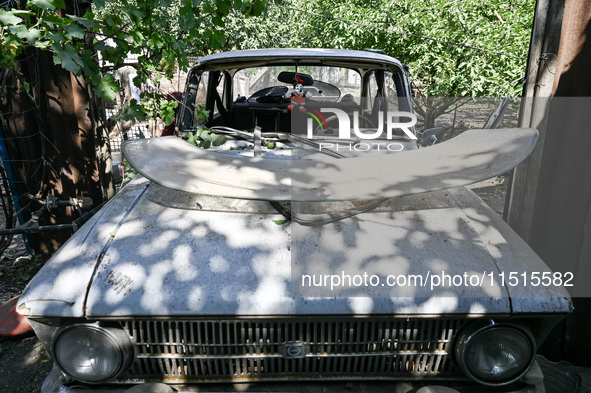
x=97, y=42
x=129, y=173
x=440, y=40
x=272, y=29
x=201, y=135
x=453, y=48
x=156, y=106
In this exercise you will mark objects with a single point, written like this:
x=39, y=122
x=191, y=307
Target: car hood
x=152, y=251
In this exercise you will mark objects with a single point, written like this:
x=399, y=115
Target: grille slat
x=254, y=349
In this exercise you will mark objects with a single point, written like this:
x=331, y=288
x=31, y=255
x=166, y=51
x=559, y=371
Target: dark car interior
x=271, y=108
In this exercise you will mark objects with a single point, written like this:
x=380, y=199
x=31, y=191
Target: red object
x=169, y=130
x=11, y=322
x=298, y=100
x=178, y=97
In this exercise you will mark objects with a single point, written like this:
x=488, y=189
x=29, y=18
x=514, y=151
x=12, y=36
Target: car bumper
x=54, y=384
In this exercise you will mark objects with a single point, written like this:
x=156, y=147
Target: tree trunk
x=54, y=143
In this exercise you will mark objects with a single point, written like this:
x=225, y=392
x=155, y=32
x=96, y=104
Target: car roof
x=303, y=54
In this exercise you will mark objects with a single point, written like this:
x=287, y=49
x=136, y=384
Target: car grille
x=222, y=350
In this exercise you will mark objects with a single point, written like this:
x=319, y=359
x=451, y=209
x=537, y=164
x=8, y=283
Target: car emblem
x=294, y=350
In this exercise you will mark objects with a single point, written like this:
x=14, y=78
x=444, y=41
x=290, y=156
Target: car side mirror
x=432, y=136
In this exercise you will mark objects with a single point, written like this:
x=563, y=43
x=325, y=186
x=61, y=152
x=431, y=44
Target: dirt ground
x=24, y=363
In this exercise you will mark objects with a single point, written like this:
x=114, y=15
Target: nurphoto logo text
x=393, y=121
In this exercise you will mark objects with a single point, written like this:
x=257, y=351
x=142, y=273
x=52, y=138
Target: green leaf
x=201, y=113
x=188, y=20
x=42, y=44
x=137, y=37
x=206, y=136
x=51, y=20
x=100, y=46
x=192, y=138
x=112, y=21
x=205, y=144
x=167, y=114
x=219, y=38
x=224, y=7
x=155, y=41
x=133, y=111
x=218, y=140
x=22, y=12
x=279, y=222
x=198, y=131
x=9, y=18
x=107, y=87
x=68, y=57
x=49, y=5
x=136, y=15
x=258, y=7
x=246, y=7
x=218, y=20
x=31, y=35
x=88, y=23
x=74, y=31
x=27, y=87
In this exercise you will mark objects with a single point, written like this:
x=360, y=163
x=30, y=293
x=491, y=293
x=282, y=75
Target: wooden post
x=539, y=83
x=550, y=202
x=57, y=142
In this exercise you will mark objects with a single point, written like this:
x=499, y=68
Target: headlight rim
x=125, y=348
x=473, y=330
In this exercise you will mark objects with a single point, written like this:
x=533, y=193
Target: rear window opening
x=264, y=97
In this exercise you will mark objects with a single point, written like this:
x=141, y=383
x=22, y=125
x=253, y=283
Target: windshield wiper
x=277, y=136
x=321, y=149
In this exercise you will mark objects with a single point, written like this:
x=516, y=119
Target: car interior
x=268, y=97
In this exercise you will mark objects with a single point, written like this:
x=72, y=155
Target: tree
x=453, y=48
x=55, y=56
x=127, y=27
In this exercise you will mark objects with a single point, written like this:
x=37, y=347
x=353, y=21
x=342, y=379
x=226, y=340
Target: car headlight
x=90, y=353
x=495, y=353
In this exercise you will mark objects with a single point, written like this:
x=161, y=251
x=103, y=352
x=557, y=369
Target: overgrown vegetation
x=454, y=48
x=161, y=33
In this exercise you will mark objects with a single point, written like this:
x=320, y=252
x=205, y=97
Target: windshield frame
x=230, y=67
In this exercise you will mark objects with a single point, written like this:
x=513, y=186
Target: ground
x=24, y=363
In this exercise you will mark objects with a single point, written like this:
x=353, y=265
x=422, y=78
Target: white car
x=309, y=243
